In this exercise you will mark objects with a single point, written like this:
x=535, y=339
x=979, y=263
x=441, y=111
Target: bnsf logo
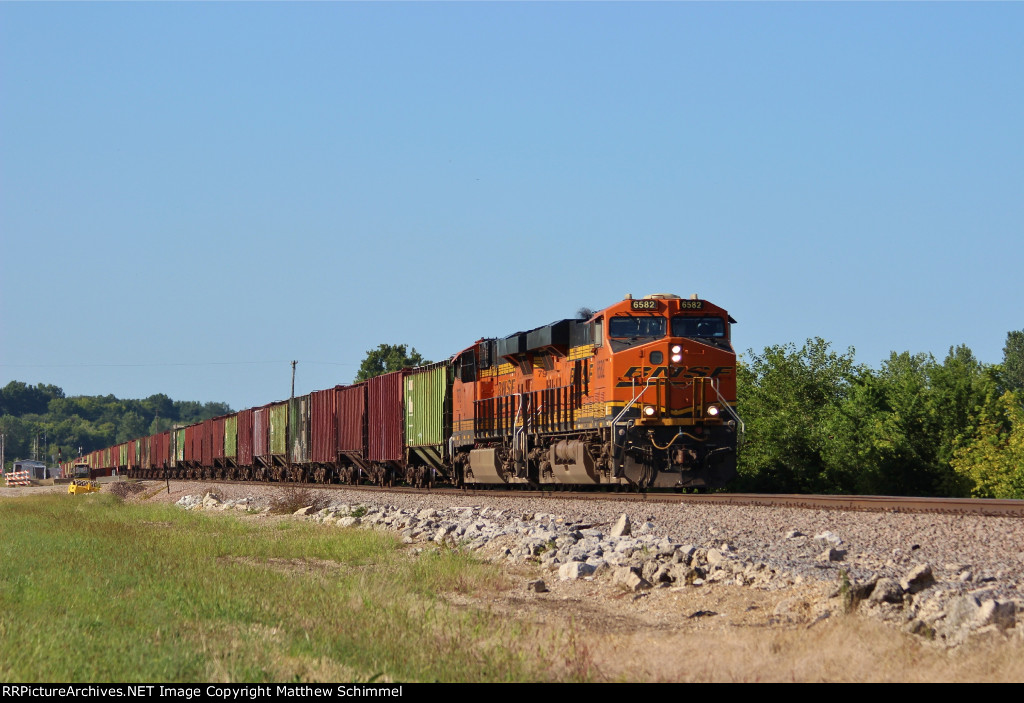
x=644, y=372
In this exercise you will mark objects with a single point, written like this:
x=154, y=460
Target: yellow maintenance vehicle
x=82, y=485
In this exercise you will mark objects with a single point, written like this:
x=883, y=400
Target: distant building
x=36, y=469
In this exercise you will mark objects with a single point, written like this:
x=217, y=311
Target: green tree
x=882, y=435
x=1013, y=361
x=132, y=426
x=87, y=407
x=86, y=422
x=959, y=388
x=786, y=397
x=894, y=431
x=17, y=438
x=991, y=459
x=18, y=398
x=159, y=405
x=160, y=424
x=215, y=409
x=386, y=358
x=188, y=411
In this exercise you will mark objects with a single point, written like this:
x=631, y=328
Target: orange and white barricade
x=17, y=478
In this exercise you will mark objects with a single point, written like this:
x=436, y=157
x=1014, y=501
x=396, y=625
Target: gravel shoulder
x=974, y=549
x=781, y=551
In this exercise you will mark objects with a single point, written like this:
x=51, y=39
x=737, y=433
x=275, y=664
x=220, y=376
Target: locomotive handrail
x=729, y=409
x=519, y=413
x=628, y=405
x=519, y=431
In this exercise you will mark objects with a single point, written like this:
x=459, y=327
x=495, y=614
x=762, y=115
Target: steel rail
x=895, y=504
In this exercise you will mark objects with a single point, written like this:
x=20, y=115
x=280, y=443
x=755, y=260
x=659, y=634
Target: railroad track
x=897, y=504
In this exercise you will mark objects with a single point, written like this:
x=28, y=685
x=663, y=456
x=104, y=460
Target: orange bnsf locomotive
x=642, y=394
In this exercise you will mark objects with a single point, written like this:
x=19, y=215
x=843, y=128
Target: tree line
x=42, y=416
x=818, y=422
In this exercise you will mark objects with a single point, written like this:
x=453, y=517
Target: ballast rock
x=884, y=582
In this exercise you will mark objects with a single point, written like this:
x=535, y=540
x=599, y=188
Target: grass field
x=94, y=590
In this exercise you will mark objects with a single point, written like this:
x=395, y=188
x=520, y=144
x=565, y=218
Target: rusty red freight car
x=385, y=424
x=245, y=438
x=323, y=435
x=217, y=442
x=206, y=439
x=352, y=432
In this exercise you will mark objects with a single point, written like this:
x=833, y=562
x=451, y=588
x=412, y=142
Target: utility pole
x=288, y=437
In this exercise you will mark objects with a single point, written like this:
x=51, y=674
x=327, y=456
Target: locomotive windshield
x=696, y=327
x=710, y=330
x=636, y=327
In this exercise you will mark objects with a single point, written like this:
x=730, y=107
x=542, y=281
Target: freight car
x=642, y=393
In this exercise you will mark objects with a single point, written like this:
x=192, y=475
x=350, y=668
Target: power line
x=169, y=363
x=330, y=363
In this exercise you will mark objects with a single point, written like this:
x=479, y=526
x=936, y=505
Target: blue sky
x=192, y=194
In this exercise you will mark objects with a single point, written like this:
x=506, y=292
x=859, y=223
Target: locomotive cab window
x=697, y=327
x=630, y=326
x=485, y=354
x=466, y=368
x=710, y=330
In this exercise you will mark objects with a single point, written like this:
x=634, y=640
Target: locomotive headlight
x=649, y=410
x=713, y=410
x=677, y=358
x=676, y=349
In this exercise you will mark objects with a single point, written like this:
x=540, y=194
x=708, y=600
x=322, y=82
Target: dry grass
x=717, y=633
x=143, y=497
x=286, y=501
x=123, y=489
x=843, y=649
x=289, y=566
